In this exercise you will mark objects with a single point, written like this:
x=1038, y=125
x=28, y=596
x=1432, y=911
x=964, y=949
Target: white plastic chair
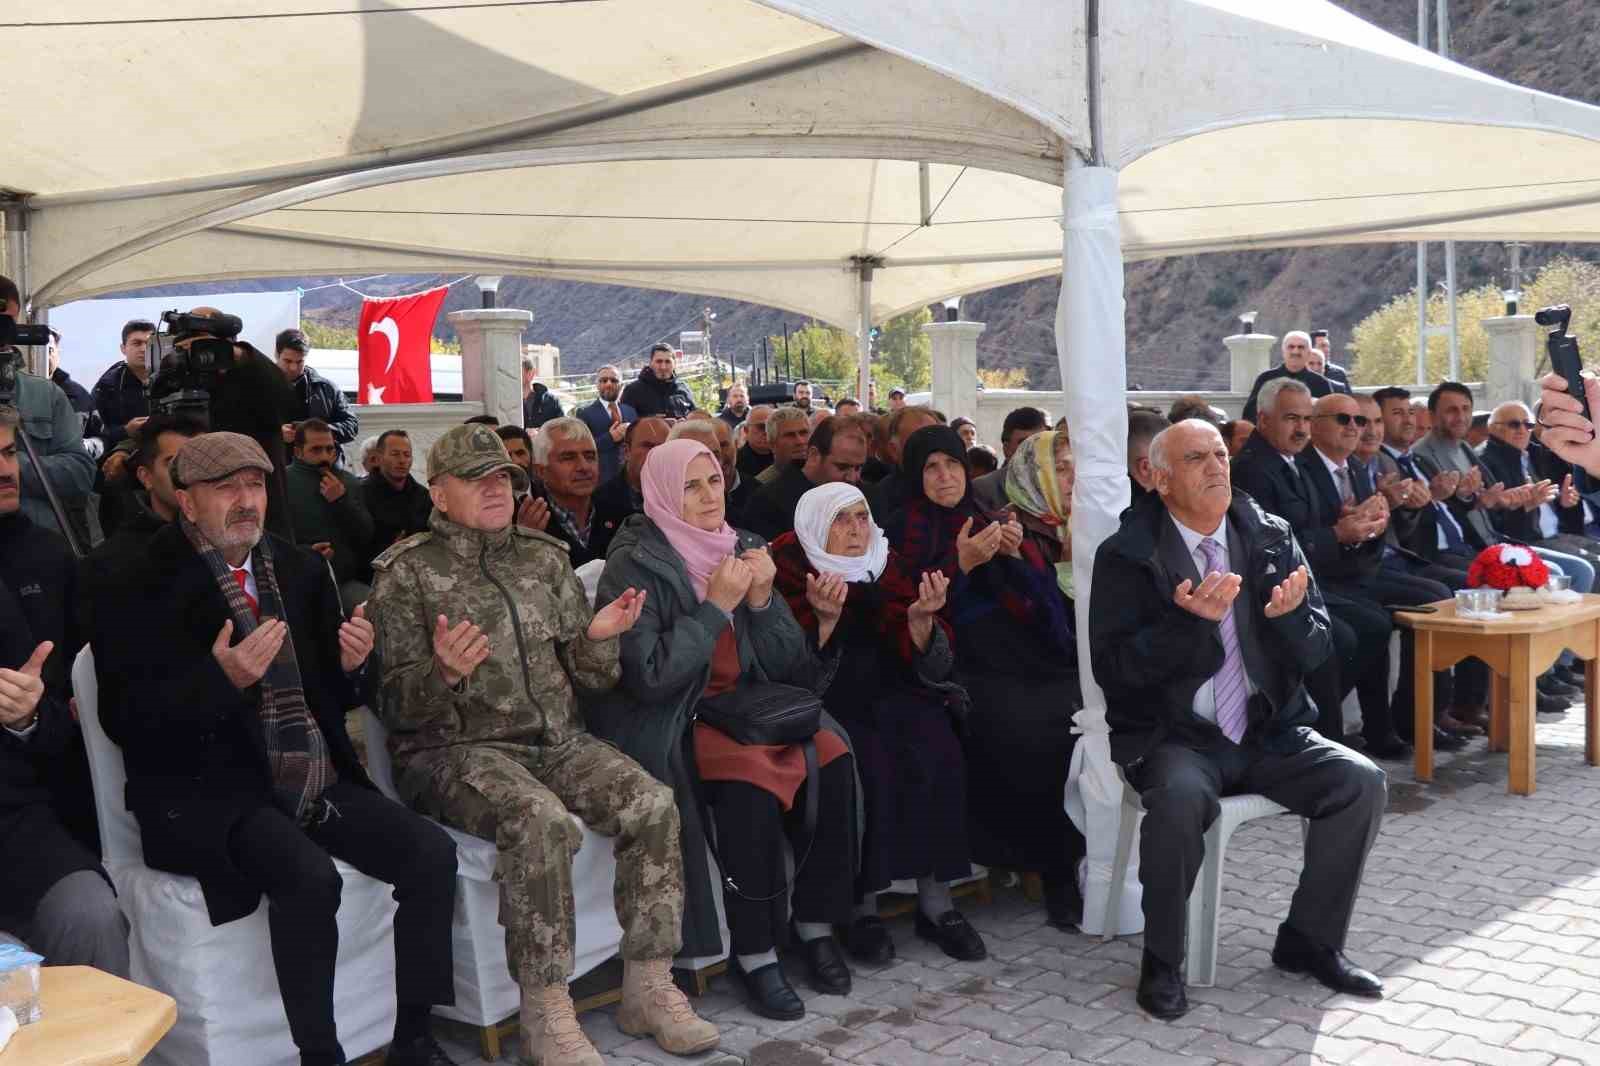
x=1205, y=902
x=230, y=1010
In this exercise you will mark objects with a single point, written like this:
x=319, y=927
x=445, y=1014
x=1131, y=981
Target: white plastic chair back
x=119, y=833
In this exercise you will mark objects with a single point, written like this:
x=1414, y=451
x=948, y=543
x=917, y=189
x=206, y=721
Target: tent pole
x=1422, y=311
x=18, y=255
x=865, y=265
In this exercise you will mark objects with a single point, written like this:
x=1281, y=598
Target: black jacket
x=314, y=396
x=769, y=512
x=254, y=398
x=615, y=498
x=396, y=513
x=539, y=406
x=651, y=396
x=1505, y=464
x=604, y=521
x=1302, y=498
x=1309, y=378
x=1151, y=656
x=82, y=402
x=191, y=741
x=119, y=398
x=752, y=462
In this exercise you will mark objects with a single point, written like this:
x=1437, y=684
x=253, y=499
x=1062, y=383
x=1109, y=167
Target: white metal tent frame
x=1151, y=149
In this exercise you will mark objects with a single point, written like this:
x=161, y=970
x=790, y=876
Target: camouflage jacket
x=518, y=587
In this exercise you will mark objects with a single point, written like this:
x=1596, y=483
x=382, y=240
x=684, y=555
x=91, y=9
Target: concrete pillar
x=491, y=359
x=1513, y=357
x=1249, y=354
x=954, y=362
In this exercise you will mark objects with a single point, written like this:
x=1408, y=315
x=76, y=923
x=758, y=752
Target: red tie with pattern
x=242, y=576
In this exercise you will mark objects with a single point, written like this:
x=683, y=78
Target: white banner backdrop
x=91, y=330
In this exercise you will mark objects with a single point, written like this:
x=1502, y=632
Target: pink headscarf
x=662, y=480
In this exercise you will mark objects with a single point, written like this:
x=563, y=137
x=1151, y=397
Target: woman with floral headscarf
x=892, y=688
x=713, y=624
x=1016, y=655
x=1039, y=485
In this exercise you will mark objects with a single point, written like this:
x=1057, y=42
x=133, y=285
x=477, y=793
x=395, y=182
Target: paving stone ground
x=1480, y=910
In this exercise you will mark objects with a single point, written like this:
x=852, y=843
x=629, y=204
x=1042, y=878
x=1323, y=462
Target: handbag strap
x=813, y=802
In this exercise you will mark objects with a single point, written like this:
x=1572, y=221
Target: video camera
x=1563, y=349
x=185, y=377
x=15, y=336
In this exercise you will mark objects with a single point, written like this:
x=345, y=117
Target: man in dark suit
x=1553, y=516
x=1321, y=361
x=240, y=771
x=1202, y=655
x=1296, y=354
x=608, y=419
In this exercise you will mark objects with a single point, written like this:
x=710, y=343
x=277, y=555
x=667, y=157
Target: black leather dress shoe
x=954, y=935
x=1296, y=953
x=424, y=1051
x=1389, y=747
x=1567, y=675
x=867, y=940
x=1544, y=703
x=1551, y=685
x=829, y=974
x=1443, y=741
x=1161, y=991
x=768, y=992
x=1063, y=903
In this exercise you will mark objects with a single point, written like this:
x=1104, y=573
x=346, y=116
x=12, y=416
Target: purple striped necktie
x=1229, y=688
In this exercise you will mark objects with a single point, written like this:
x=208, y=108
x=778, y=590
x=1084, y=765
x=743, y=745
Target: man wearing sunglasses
x=608, y=419
x=1555, y=515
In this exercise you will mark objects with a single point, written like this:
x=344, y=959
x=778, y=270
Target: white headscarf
x=814, y=516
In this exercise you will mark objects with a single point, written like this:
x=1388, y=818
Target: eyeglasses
x=1345, y=419
x=1529, y=426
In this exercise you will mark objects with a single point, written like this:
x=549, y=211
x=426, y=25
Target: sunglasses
x=1345, y=419
x=1529, y=426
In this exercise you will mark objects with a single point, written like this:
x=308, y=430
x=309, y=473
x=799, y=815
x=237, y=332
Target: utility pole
x=1424, y=331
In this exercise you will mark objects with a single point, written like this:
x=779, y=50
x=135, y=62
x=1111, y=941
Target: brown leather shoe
x=1471, y=713
x=1450, y=724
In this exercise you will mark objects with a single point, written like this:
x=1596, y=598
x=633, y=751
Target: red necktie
x=241, y=575
x=616, y=416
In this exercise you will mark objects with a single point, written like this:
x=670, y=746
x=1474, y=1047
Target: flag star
x=375, y=394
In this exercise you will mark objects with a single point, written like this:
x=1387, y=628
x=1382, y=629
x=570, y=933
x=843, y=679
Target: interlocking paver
x=1481, y=912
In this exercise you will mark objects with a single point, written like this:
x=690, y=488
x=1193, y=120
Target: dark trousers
x=1470, y=683
x=1366, y=671
x=1325, y=685
x=1339, y=790
x=752, y=827
x=294, y=868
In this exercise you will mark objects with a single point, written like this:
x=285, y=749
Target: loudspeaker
x=780, y=393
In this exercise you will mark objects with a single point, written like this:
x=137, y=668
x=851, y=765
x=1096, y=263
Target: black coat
x=1505, y=464
x=119, y=398
x=1305, y=498
x=191, y=741
x=254, y=398
x=539, y=406
x=82, y=402
x=1151, y=656
x=752, y=462
x=314, y=396
x=652, y=397
x=396, y=513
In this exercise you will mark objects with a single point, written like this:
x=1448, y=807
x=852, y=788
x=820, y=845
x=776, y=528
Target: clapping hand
x=1288, y=594
x=618, y=616
x=246, y=662
x=1569, y=492
x=22, y=689
x=355, y=640
x=1541, y=493
x=1212, y=600
x=975, y=549
x=1444, y=485
x=458, y=650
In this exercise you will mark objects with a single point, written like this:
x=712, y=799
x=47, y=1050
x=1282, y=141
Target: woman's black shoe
x=829, y=974
x=954, y=935
x=867, y=940
x=768, y=992
x=1063, y=903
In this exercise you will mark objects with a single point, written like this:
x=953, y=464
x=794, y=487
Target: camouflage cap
x=211, y=456
x=471, y=452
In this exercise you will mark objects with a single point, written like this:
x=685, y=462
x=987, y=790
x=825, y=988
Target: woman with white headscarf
x=892, y=689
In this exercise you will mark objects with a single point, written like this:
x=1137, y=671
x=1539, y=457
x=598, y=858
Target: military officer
x=484, y=634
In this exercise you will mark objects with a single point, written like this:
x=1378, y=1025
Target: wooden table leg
x=1422, y=697
x=1523, y=704
x=1591, y=706
x=1499, y=712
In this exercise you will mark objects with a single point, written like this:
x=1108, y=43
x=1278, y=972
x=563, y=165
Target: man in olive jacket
x=484, y=635
x=1202, y=652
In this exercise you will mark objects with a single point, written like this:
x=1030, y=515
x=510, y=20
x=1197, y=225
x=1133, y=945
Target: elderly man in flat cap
x=226, y=667
x=485, y=636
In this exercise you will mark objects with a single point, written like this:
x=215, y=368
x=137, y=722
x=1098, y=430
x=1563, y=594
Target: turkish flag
x=393, y=343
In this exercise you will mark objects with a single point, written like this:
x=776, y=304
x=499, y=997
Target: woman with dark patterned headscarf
x=1016, y=656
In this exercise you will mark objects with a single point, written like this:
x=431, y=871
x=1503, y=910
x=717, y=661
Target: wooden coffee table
x=91, y=1019
x=1517, y=650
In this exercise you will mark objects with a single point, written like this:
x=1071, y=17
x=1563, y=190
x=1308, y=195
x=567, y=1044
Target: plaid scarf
x=297, y=753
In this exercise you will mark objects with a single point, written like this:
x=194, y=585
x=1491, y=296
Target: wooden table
x=91, y=1019
x=1517, y=650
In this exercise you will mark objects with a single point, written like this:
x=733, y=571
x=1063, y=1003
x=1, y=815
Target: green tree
x=322, y=335
x=901, y=353
x=1385, y=342
x=904, y=351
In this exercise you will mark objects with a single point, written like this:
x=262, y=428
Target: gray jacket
x=55, y=431
x=666, y=663
x=1445, y=455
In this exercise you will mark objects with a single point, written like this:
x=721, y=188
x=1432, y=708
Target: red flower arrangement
x=1507, y=566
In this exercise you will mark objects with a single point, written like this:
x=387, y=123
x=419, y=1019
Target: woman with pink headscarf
x=712, y=624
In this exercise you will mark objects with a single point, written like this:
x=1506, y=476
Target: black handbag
x=764, y=713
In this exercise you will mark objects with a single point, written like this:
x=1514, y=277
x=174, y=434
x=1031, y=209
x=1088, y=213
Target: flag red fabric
x=393, y=343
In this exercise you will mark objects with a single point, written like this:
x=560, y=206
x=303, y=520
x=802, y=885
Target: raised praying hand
x=246, y=663
x=1212, y=599
x=356, y=638
x=458, y=650
x=618, y=616
x=1288, y=594
x=826, y=594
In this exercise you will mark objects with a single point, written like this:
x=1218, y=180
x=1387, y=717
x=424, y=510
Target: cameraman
x=314, y=395
x=51, y=425
x=248, y=394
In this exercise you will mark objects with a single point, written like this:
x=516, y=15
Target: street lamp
x=489, y=286
x=1247, y=321
x=952, y=309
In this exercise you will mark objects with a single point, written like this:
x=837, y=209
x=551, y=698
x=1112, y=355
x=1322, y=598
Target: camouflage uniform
x=505, y=756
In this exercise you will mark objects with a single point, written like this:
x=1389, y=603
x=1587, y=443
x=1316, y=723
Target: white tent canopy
x=764, y=149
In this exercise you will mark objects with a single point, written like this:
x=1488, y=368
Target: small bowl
x=1477, y=602
x=1559, y=582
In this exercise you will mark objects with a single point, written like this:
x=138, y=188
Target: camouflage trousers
x=522, y=797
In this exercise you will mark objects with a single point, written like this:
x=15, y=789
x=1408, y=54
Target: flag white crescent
x=389, y=329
